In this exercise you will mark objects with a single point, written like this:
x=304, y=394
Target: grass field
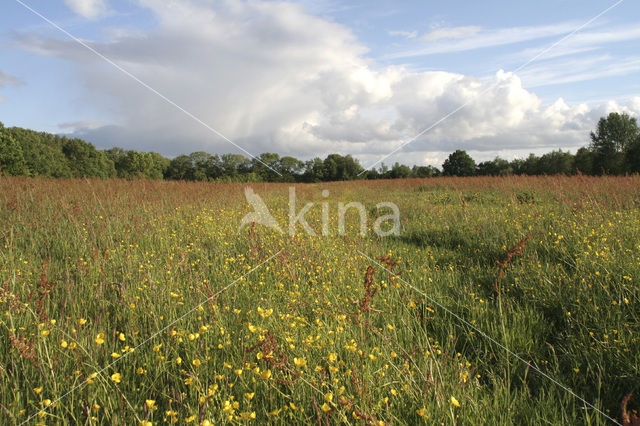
x=102, y=285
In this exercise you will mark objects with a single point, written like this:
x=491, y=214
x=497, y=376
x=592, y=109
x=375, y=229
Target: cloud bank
x=272, y=77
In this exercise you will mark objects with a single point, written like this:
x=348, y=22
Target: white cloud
x=579, y=69
x=273, y=78
x=451, y=33
x=460, y=39
x=402, y=33
x=89, y=9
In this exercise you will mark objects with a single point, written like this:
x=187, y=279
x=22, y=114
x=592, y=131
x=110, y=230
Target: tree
x=424, y=171
x=266, y=165
x=632, y=157
x=583, y=161
x=495, y=167
x=85, y=160
x=556, y=163
x=291, y=168
x=614, y=135
x=313, y=170
x=459, y=163
x=11, y=158
x=400, y=171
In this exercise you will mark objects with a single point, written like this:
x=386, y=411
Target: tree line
x=614, y=149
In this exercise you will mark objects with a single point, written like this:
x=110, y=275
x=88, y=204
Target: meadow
x=140, y=302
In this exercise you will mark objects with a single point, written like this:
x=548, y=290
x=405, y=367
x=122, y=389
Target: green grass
x=136, y=257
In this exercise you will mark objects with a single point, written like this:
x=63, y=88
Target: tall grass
x=547, y=266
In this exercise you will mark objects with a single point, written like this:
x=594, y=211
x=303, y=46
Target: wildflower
x=328, y=397
x=422, y=412
x=150, y=403
x=82, y=321
x=121, y=337
x=64, y=344
x=454, y=402
x=100, y=338
x=325, y=407
x=116, y=377
x=247, y=415
x=196, y=362
x=264, y=313
x=300, y=362
x=265, y=374
x=249, y=395
x=38, y=390
x=190, y=419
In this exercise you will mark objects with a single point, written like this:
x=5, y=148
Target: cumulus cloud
x=89, y=9
x=272, y=77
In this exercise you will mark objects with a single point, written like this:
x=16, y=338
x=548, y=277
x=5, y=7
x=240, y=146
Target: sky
x=385, y=81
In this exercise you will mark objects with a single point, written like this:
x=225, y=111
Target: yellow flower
x=265, y=374
x=196, y=362
x=454, y=402
x=38, y=390
x=46, y=402
x=82, y=321
x=178, y=360
x=238, y=371
x=422, y=412
x=249, y=395
x=116, y=377
x=328, y=397
x=150, y=403
x=264, y=313
x=333, y=357
x=63, y=344
x=325, y=407
x=115, y=355
x=122, y=337
x=190, y=419
x=100, y=338
x=45, y=332
x=300, y=362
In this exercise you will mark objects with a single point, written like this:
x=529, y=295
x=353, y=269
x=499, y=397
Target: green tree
x=459, y=163
x=583, y=161
x=11, y=158
x=313, y=170
x=85, y=160
x=632, y=157
x=614, y=135
x=556, y=162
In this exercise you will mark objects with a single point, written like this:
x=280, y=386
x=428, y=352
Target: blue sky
x=312, y=77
